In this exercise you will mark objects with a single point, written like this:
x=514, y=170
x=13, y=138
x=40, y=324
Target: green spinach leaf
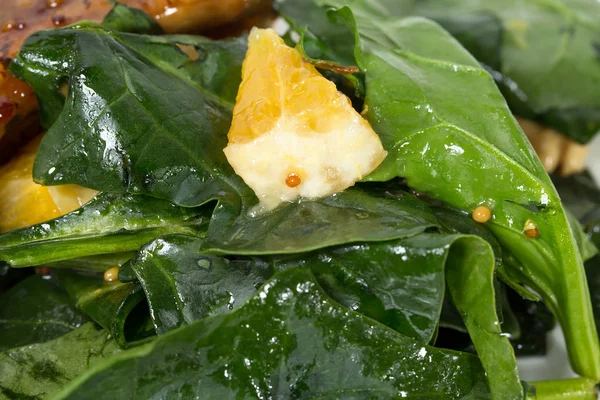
x=36, y=310
x=449, y=132
x=99, y=263
x=289, y=340
x=38, y=370
x=531, y=49
x=399, y=283
x=141, y=116
x=120, y=308
x=126, y=19
x=107, y=224
x=366, y=213
x=582, y=196
x=123, y=223
x=183, y=285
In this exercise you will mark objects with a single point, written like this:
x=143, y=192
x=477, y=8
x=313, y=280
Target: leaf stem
x=564, y=389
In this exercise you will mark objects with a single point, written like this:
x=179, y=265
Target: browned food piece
x=557, y=152
x=20, y=18
x=18, y=113
x=24, y=202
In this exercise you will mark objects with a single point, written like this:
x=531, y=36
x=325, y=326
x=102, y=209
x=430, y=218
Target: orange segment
x=293, y=133
x=25, y=203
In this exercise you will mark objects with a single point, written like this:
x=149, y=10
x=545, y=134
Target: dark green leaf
x=354, y=215
x=288, y=341
x=449, y=132
x=582, y=196
x=169, y=272
x=455, y=221
x=141, y=116
x=471, y=284
x=99, y=263
x=126, y=19
x=120, y=308
x=400, y=284
x=182, y=285
x=107, y=224
x=531, y=48
x=36, y=310
x=121, y=223
x=38, y=370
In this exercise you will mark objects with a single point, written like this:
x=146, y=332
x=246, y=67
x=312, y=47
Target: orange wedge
x=24, y=202
x=293, y=133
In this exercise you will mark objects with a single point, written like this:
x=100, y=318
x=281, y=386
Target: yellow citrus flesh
x=25, y=203
x=293, y=133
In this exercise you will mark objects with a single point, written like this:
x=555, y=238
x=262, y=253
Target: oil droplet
x=59, y=20
x=293, y=180
x=531, y=229
x=7, y=26
x=482, y=214
x=111, y=274
x=53, y=3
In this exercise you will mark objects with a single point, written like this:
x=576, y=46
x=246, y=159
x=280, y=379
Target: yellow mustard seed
x=482, y=214
x=111, y=274
x=293, y=180
x=531, y=229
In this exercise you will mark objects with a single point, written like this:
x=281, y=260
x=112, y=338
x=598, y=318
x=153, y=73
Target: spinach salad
x=424, y=279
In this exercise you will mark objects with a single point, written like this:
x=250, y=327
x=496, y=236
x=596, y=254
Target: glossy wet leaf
x=126, y=19
x=582, y=196
x=456, y=221
x=289, y=340
x=107, y=224
x=120, y=308
x=365, y=213
x=99, y=263
x=141, y=116
x=36, y=310
x=399, y=283
x=449, y=132
x=470, y=281
x=183, y=285
x=402, y=285
x=37, y=371
x=531, y=49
